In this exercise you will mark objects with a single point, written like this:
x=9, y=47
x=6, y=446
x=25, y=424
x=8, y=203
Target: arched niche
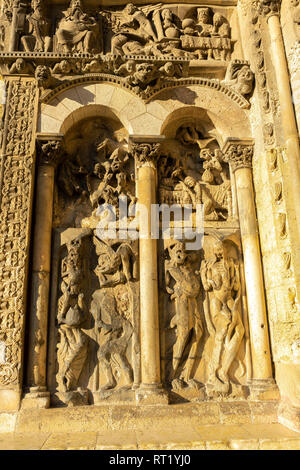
x=140, y=117
x=93, y=280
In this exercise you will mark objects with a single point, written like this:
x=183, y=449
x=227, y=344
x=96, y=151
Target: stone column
x=270, y=10
x=287, y=373
x=49, y=152
x=239, y=155
x=146, y=152
x=17, y=24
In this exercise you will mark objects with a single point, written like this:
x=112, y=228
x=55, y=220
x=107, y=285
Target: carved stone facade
x=149, y=205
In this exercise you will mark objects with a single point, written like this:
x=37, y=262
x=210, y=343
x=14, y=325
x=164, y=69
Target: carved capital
x=239, y=154
x=146, y=153
x=49, y=152
x=269, y=8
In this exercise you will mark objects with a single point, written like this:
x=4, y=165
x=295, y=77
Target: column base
x=149, y=394
x=263, y=389
x=289, y=416
x=37, y=397
x=10, y=400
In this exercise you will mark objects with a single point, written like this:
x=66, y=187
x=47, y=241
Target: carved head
x=42, y=72
x=20, y=65
x=130, y=66
x=190, y=182
x=245, y=74
x=65, y=66
x=130, y=8
x=203, y=15
x=75, y=4
x=177, y=253
x=218, y=250
x=167, y=14
x=123, y=302
x=218, y=19
x=169, y=69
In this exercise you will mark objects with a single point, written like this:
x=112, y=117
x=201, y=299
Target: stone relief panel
x=192, y=171
x=94, y=350
x=205, y=351
x=192, y=31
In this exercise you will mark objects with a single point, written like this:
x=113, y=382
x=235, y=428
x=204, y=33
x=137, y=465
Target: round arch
x=156, y=117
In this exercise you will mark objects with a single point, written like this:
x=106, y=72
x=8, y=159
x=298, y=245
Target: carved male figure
x=78, y=31
x=72, y=312
x=220, y=276
x=39, y=38
x=184, y=287
x=118, y=331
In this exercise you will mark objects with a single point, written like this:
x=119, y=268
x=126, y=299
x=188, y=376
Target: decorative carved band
x=239, y=155
x=14, y=226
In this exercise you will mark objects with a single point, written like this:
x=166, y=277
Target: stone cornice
x=182, y=77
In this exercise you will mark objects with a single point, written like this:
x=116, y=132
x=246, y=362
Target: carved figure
x=77, y=31
x=44, y=77
x=208, y=36
x=240, y=78
x=20, y=66
x=66, y=67
x=171, y=30
x=133, y=29
x=220, y=276
x=72, y=312
x=112, y=308
x=112, y=354
x=184, y=288
x=39, y=38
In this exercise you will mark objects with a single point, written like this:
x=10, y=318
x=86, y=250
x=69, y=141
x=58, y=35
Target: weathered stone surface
x=173, y=106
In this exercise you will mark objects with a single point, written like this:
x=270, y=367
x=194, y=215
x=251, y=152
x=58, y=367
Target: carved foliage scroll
x=14, y=226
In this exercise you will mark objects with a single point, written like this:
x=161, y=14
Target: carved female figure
x=220, y=276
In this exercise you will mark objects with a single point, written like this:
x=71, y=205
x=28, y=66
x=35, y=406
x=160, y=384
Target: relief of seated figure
x=77, y=31
x=133, y=32
x=39, y=25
